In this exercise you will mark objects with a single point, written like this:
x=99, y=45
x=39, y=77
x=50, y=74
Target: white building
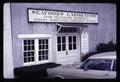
x=37, y=33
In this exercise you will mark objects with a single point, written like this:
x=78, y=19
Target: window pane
x=75, y=29
x=25, y=42
x=59, y=47
x=40, y=47
x=43, y=57
x=62, y=30
x=63, y=47
x=58, y=39
x=43, y=46
x=25, y=54
x=46, y=52
x=32, y=58
x=28, y=47
x=32, y=47
x=40, y=58
x=32, y=54
x=25, y=59
x=25, y=48
x=70, y=46
x=42, y=52
x=28, y=42
x=74, y=38
x=72, y=29
x=74, y=46
x=39, y=52
x=47, y=57
x=67, y=29
x=46, y=46
x=70, y=39
x=63, y=39
x=42, y=41
x=46, y=41
x=28, y=59
x=28, y=53
x=32, y=41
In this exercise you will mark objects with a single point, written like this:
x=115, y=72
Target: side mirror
x=85, y=68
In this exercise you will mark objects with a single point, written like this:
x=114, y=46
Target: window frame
x=61, y=43
x=26, y=63
x=35, y=37
x=67, y=30
x=28, y=50
x=66, y=42
x=44, y=49
x=72, y=43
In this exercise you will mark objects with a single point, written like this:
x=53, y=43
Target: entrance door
x=68, y=49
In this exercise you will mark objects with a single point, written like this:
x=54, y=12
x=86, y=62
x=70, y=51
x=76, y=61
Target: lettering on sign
x=35, y=15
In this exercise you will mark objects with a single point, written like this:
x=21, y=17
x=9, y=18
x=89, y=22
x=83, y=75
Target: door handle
x=66, y=52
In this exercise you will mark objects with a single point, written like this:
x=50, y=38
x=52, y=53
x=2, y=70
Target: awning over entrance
x=70, y=27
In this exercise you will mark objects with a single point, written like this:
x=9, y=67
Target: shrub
x=101, y=47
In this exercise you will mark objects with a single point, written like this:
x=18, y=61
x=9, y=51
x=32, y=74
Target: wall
x=104, y=31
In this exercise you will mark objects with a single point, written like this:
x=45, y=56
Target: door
x=68, y=49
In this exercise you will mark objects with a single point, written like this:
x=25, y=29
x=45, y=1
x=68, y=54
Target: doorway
x=68, y=48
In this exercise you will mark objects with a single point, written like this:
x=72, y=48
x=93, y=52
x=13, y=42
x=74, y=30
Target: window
x=114, y=66
x=29, y=50
x=33, y=48
x=67, y=30
x=43, y=49
x=97, y=64
x=61, y=43
x=72, y=42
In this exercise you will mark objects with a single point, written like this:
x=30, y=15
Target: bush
x=101, y=47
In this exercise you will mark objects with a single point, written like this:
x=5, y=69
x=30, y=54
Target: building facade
x=34, y=35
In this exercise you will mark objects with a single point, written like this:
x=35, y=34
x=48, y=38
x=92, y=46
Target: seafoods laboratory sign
x=37, y=15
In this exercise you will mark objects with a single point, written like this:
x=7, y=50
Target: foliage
x=101, y=47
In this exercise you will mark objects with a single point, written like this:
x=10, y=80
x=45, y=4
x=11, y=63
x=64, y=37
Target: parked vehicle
x=99, y=66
